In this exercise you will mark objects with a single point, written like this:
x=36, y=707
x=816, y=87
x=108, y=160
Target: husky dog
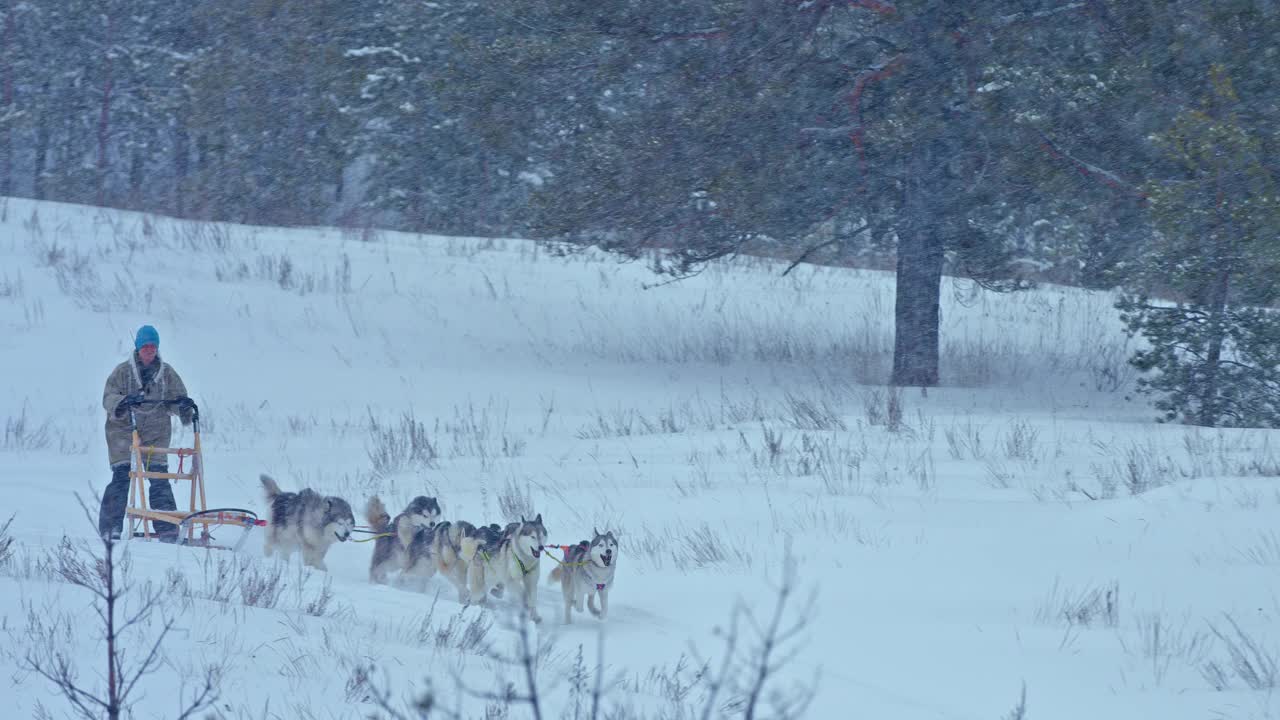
x=451, y=544
x=588, y=570
x=513, y=560
x=305, y=520
x=392, y=551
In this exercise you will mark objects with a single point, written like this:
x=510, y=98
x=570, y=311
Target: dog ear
x=594, y=531
x=538, y=519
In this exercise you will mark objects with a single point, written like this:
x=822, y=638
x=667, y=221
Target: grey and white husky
x=305, y=520
x=451, y=545
x=512, y=560
x=404, y=549
x=588, y=570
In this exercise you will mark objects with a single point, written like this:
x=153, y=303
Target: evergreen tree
x=1216, y=348
x=746, y=125
x=271, y=139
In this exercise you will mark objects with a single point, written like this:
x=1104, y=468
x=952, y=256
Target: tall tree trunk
x=916, y=307
x=41, y=150
x=113, y=669
x=1210, y=412
x=104, y=116
x=137, y=167
x=181, y=165
x=1221, y=250
x=339, y=184
x=6, y=102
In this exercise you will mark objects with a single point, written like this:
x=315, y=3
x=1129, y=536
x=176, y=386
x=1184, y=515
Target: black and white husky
x=512, y=560
x=305, y=520
x=588, y=570
x=407, y=546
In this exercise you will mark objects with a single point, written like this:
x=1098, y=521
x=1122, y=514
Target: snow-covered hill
x=1027, y=524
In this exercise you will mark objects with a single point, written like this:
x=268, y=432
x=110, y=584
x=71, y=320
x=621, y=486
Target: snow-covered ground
x=1028, y=524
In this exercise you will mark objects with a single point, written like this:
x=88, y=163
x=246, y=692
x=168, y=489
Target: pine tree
x=813, y=129
x=1216, y=347
x=271, y=140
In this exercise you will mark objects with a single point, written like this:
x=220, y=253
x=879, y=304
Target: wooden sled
x=142, y=518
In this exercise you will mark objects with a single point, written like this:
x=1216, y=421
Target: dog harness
x=523, y=569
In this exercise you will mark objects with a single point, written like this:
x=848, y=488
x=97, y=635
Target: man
x=143, y=384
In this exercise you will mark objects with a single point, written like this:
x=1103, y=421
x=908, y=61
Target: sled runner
x=142, y=518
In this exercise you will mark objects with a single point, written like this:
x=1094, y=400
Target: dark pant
x=116, y=497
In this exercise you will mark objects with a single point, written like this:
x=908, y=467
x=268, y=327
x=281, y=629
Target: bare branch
x=526, y=660
x=751, y=669
x=876, y=6
x=716, y=682
x=106, y=579
x=835, y=133
x=827, y=243
x=1006, y=20
x=62, y=677
x=1106, y=177
x=148, y=664
x=206, y=695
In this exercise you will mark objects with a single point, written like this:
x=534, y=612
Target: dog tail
x=376, y=515
x=557, y=573
x=270, y=487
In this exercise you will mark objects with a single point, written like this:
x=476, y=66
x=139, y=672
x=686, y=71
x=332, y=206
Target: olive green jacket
x=157, y=381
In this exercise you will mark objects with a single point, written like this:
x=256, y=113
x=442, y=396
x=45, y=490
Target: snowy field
x=1028, y=525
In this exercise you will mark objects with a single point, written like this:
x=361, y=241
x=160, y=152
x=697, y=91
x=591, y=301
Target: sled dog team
x=479, y=560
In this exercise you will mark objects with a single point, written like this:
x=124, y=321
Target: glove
x=185, y=403
x=130, y=400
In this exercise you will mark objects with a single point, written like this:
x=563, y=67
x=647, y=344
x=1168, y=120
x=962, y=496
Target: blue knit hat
x=147, y=335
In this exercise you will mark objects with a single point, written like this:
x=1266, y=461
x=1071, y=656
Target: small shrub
x=357, y=686
x=1087, y=608
x=704, y=547
x=1263, y=551
x=6, y=544
x=893, y=410
x=1247, y=660
x=810, y=414
x=466, y=634
x=260, y=586
x=21, y=434
x=1160, y=642
x=11, y=287
x=318, y=606
x=393, y=448
x=962, y=439
x=773, y=443
x=514, y=503
x=871, y=407
x=1020, y=442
